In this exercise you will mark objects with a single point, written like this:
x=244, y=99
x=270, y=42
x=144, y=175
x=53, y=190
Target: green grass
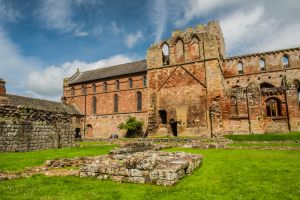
x=91, y=143
x=265, y=137
x=20, y=160
x=257, y=144
x=224, y=174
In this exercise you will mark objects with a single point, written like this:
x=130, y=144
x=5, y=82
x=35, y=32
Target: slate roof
x=52, y=106
x=117, y=70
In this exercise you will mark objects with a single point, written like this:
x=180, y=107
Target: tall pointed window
x=116, y=103
x=179, y=51
x=94, y=88
x=240, y=68
x=165, y=54
x=195, y=49
x=72, y=91
x=130, y=82
x=83, y=90
x=144, y=81
x=94, y=105
x=285, y=61
x=105, y=87
x=262, y=65
x=273, y=107
x=139, y=101
x=234, y=105
x=117, y=85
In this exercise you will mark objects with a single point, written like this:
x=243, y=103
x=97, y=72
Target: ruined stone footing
x=153, y=167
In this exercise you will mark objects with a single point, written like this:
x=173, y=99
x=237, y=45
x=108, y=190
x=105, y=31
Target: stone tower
x=185, y=80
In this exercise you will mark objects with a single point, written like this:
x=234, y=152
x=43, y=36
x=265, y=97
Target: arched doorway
x=89, y=131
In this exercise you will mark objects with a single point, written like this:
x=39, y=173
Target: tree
x=133, y=127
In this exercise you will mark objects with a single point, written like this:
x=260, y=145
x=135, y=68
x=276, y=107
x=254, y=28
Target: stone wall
x=28, y=129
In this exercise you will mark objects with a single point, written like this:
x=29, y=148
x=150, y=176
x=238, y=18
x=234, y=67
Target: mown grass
x=266, y=137
x=224, y=174
x=257, y=144
x=92, y=143
x=20, y=160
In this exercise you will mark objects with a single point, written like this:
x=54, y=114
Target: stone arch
x=195, y=50
x=179, y=50
x=165, y=50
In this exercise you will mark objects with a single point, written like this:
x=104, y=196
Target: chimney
x=2, y=87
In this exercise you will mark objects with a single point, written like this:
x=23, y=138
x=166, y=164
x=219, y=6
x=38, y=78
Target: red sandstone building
x=187, y=86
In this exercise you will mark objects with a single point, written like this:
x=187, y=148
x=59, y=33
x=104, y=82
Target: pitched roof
x=52, y=106
x=117, y=70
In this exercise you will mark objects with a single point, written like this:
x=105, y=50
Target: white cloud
x=158, y=16
x=132, y=38
x=58, y=15
x=248, y=26
x=48, y=82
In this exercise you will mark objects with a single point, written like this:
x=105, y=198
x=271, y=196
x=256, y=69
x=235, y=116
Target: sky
x=44, y=41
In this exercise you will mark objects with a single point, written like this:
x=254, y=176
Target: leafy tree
x=133, y=127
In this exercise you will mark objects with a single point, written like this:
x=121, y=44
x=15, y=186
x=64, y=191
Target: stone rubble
x=138, y=163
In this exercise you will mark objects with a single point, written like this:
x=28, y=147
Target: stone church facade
x=188, y=87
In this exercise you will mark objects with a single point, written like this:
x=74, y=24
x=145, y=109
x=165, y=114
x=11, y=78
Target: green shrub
x=133, y=127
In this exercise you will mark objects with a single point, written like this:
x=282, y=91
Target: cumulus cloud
x=48, y=82
x=132, y=38
x=248, y=26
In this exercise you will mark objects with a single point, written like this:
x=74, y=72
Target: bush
x=133, y=127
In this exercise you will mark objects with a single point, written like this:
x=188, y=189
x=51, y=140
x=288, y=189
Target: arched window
x=285, y=61
x=195, y=48
x=104, y=86
x=94, y=88
x=273, y=107
x=234, y=105
x=94, y=105
x=130, y=81
x=139, y=101
x=166, y=54
x=89, y=130
x=144, y=81
x=72, y=91
x=179, y=51
x=262, y=65
x=240, y=68
x=116, y=103
x=83, y=90
x=117, y=85
x=266, y=85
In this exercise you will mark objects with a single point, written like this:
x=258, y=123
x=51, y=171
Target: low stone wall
x=28, y=129
x=138, y=163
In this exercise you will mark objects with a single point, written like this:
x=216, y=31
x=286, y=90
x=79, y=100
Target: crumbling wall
x=28, y=129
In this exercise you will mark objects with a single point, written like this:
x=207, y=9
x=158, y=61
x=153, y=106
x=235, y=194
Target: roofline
x=261, y=53
x=114, y=66
x=111, y=77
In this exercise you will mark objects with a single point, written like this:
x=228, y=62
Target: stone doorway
x=77, y=133
x=173, y=125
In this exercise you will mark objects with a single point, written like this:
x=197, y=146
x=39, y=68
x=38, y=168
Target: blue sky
x=42, y=41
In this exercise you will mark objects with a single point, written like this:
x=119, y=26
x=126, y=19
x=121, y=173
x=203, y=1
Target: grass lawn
x=20, y=160
x=224, y=174
x=265, y=137
x=263, y=144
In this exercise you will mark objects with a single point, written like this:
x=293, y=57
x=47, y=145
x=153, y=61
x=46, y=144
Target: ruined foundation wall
x=28, y=129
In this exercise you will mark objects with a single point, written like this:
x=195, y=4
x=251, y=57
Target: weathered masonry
x=28, y=124
x=187, y=86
